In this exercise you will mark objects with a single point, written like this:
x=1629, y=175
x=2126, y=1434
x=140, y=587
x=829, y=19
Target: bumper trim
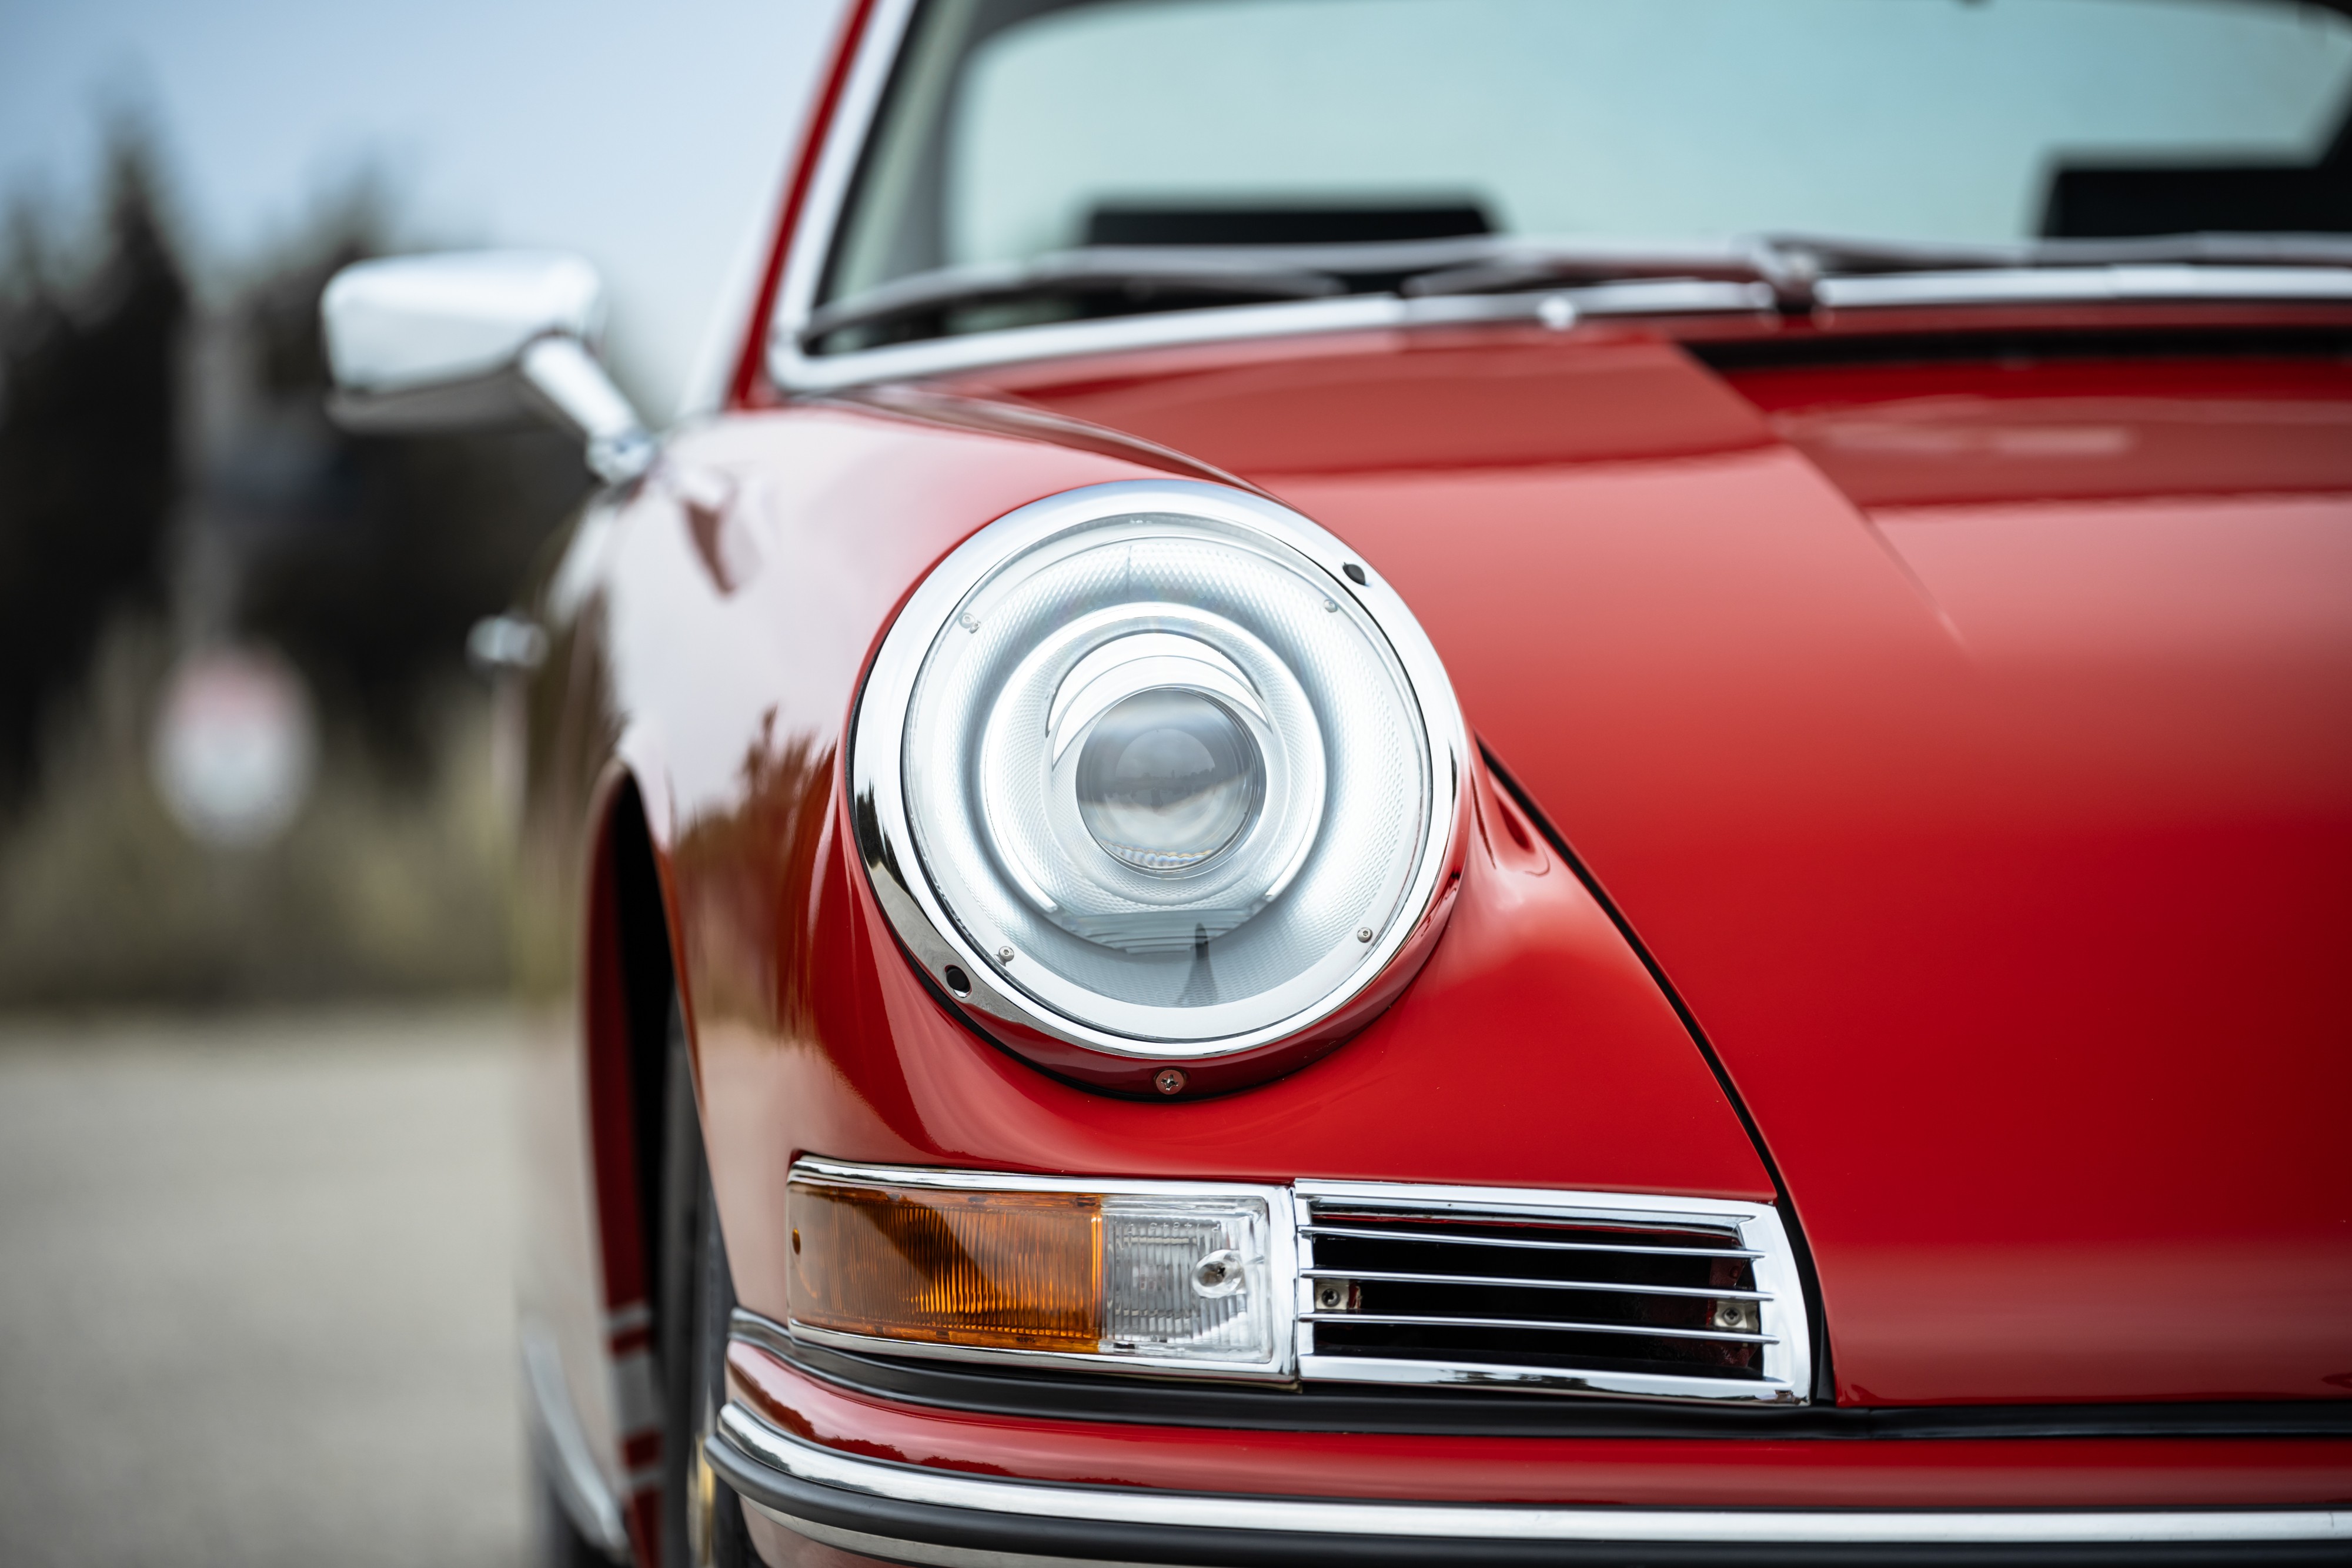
x=969, y=1520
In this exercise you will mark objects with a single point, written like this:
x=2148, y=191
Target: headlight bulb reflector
x=1167, y=779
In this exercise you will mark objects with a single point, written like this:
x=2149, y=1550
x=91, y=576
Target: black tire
x=702, y=1519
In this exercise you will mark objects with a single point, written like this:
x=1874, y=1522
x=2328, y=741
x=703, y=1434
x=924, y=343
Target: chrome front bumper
x=908, y=1513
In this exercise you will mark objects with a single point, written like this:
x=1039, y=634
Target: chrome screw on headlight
x=1157, y=740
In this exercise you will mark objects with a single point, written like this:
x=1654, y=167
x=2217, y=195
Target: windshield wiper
x=1830, y=254
x=1873, y=273
x=1142, y=277
x=1513, y=266
x=1150, y=278
x=1799, y=270
x=1798, y=267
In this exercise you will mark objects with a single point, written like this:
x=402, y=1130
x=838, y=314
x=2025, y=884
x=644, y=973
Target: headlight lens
x=1173, y=783
x=1167, y=780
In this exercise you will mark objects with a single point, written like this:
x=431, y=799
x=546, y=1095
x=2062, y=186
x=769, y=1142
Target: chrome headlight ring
x=1153, y=774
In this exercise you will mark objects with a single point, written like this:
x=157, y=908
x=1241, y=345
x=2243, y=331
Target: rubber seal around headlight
x=934, y=940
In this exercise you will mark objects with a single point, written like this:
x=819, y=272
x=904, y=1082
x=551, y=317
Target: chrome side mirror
x=478, y=338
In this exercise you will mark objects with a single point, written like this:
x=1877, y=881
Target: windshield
x=1016, y=127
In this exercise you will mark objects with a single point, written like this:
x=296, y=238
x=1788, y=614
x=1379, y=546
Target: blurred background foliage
x=169, y=483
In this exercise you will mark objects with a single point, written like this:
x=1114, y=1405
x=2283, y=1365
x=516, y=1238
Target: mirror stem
x=581, y=392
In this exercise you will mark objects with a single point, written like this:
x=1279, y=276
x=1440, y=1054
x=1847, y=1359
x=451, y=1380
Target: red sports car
x=1456, y=781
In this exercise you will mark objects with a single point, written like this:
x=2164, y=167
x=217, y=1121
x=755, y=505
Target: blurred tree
x=169, y=480
x=88, y=428
x=364, y=558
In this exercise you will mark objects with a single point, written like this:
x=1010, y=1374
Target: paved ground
x=255, y=1298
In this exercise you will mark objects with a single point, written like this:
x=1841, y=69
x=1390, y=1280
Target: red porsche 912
x=1454, y=781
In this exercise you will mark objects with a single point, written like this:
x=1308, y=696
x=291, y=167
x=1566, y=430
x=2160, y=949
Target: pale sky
x=648, y=138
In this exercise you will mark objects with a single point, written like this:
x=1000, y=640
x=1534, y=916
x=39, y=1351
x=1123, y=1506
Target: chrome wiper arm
x=1867, y=273
x=1794, y=266
x=1516, y=266
x=1139, y=271
x=1836, y=255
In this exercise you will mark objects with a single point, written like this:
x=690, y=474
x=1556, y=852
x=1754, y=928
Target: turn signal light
x=934, y=1264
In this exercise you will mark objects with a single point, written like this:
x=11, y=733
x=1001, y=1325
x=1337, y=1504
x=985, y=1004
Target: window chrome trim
x=810, y=243
x=877, y=784
x=754, y=1444
x=2089, y=284
x=1281, y=1267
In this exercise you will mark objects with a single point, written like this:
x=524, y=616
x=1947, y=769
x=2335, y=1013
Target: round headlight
x=1155, y=771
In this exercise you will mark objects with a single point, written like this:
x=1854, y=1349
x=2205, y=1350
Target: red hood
x=1970, y=745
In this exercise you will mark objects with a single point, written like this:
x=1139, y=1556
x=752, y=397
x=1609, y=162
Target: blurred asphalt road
x=256, y=1299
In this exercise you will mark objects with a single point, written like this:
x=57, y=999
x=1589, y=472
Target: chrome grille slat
x=1632, y=1220
x=1506, y=1284
x=1444, y=1240
x=1536, y=1325
x=1663, y=1298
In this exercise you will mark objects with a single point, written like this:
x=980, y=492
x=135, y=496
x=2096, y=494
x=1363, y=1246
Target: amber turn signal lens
x=1019, y=1270
x=1178, y=1276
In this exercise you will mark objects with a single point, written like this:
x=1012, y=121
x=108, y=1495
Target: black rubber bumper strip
x=898, y=1513
x=1022, y=1395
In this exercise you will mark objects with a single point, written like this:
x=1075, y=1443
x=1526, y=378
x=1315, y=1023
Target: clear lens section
x=1185, y=1279
x=1167, y=779
x=1111, y=1275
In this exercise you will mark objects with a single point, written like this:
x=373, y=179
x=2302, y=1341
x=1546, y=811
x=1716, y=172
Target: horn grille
x=1578, y=1292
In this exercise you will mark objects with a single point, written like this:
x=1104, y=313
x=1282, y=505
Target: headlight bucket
x=1155, y=774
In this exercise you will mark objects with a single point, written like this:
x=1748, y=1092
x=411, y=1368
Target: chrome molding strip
x=762, y=1446
x=957, y=1180
x=754, y=1329
x=563, y=1446
x=1014, y=345
x=2089, y=284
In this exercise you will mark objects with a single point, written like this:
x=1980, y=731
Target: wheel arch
x=630, y=975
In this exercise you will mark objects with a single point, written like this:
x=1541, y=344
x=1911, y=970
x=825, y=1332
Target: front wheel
x=702, y=1519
